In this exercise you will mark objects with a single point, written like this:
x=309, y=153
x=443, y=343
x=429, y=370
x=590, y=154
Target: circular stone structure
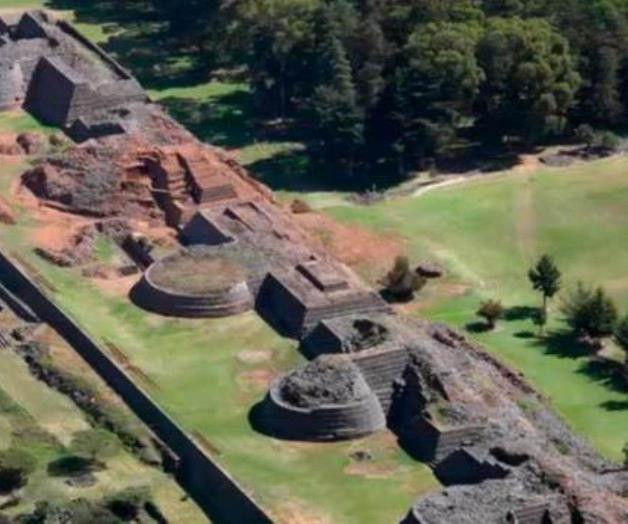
x=194, y=284
x=327, y=399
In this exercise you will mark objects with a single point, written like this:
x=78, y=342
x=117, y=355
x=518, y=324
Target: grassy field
x=201, y=372
x=488, y=232
x=209, y=374
x=42, y=421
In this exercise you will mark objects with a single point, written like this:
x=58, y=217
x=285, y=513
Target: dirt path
x=525, y=216
x=439, y=185
x=527, y=164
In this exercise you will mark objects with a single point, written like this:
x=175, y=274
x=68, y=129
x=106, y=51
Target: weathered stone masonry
x=449, y=403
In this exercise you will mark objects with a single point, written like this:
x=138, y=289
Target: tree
x=590, y=312
x=540, y=319
x=621, y=335
x=545, y=278
x=338, y=116
x=401, y=282
x=586, y=134
x=96, y=444
x=531, y=79
x=437, y=86
x=15, y=467
x=491, y=311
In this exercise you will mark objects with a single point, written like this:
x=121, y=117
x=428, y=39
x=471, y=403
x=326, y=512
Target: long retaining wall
x=219, y=495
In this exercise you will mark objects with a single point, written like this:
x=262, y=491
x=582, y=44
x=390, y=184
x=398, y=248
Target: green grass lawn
x=488, y=232
x=43, y=422
x=198, y=371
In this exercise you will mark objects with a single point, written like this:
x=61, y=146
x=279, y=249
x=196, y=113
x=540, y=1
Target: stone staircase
x=380, y=370
x=531, y=514
x=217, y=193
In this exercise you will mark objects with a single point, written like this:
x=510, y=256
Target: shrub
x=96, y=444
x=401, y=283
x=491, y=311
x=590, y=313
x=300, y=206
x=71, y=466
x=15, y=467
x=586, y=134
x=621, y=334
x=595, y=139
x=128, y=503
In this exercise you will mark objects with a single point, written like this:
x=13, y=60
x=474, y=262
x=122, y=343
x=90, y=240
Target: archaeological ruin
x=502, y=454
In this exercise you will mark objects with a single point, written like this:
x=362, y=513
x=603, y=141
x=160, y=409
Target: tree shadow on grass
x=140, y=41
x=477, y=327
x=608, y=373
x=615, y=405
x=225, y=121
x=564, y=344
x=516, y=313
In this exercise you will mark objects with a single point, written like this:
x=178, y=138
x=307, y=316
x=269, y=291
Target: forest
x=392, y=85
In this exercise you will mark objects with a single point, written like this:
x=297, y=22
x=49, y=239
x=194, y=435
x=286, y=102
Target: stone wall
x=467, y=466
x=147, y=295
x=429, y=443
x=280, y=307
x=203, y=230
x=323, y=423
x=52, y=90
x=380, y=370
x=212, y=487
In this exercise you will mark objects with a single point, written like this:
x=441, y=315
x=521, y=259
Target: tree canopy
x=394, y=83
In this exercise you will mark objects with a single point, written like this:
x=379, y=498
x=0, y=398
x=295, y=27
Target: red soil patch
x=369, y=253
x=9, y=146
x=257, y=378
x=254, y=356
x=116, y=286
x=371, y=470
x=295, y=512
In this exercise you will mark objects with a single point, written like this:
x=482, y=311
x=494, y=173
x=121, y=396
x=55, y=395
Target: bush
x=621, y=334
x=590, y=313
x=96, y=444
x=401, y=283
x=15, y=467
x=595, y=139
x=300, y=206
x=128, y=503
x=491, y=311
x=71, y=466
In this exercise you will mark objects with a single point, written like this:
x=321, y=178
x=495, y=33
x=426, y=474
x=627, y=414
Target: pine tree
x=339, y=118
x=590, y=313
x=545, y=278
